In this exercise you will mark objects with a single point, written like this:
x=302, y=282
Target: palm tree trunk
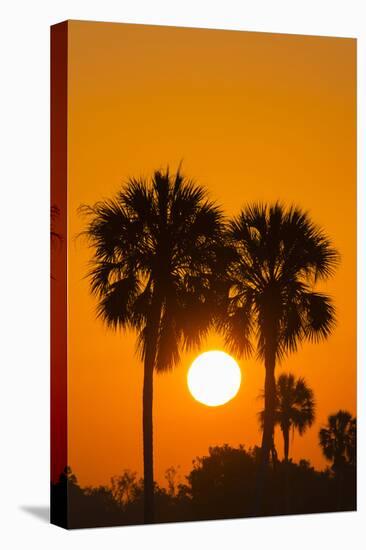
x=269, y=405
x=286, y=441
x=268, y=426
x=147, y=422
x=147, y=409
x=286, y=445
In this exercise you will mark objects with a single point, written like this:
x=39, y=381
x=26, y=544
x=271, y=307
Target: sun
x=214, y=378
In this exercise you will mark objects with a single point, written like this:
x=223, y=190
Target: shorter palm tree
x=338, y=440
x=294, y=409
x=279, y=256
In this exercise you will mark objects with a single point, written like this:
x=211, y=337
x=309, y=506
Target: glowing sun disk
x=214, y=378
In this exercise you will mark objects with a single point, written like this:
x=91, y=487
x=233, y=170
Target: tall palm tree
x=295, y=407
x=155, y=249
x=279, y=257
x=338, y=440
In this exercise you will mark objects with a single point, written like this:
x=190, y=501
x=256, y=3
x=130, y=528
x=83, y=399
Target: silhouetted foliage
x=170, y=476
x=338, y=442
x=124, y=488
x=220, y=485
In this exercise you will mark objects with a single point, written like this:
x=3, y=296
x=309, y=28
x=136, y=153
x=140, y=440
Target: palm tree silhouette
x=295, y=407
x=272, y=306
x=155, y=251
x=338, y=440
x=338, y=443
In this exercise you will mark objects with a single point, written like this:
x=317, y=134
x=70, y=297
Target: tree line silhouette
x=168, y=264
x=222, y=485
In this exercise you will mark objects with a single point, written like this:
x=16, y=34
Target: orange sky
x=254, y=116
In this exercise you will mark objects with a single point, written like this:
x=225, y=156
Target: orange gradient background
x=254, y=117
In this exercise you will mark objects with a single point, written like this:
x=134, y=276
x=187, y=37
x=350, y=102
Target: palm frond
x=338, y=439
x=279, y=255
x=116, y=303
x=157, y=242
x=320, y=316
x=295, y=404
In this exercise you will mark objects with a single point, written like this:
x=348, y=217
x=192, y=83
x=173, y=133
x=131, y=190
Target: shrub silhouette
x=221, y=485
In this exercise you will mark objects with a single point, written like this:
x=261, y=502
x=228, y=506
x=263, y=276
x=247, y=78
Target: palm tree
x=338, y=440
x=295, y=407
x=155, y=249
x=279, y=257
x=338, y=443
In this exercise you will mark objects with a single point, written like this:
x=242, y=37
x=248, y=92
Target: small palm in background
x=338, y=440
x=295, y=408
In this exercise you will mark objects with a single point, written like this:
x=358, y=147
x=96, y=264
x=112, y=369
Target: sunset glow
x=254, y=117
